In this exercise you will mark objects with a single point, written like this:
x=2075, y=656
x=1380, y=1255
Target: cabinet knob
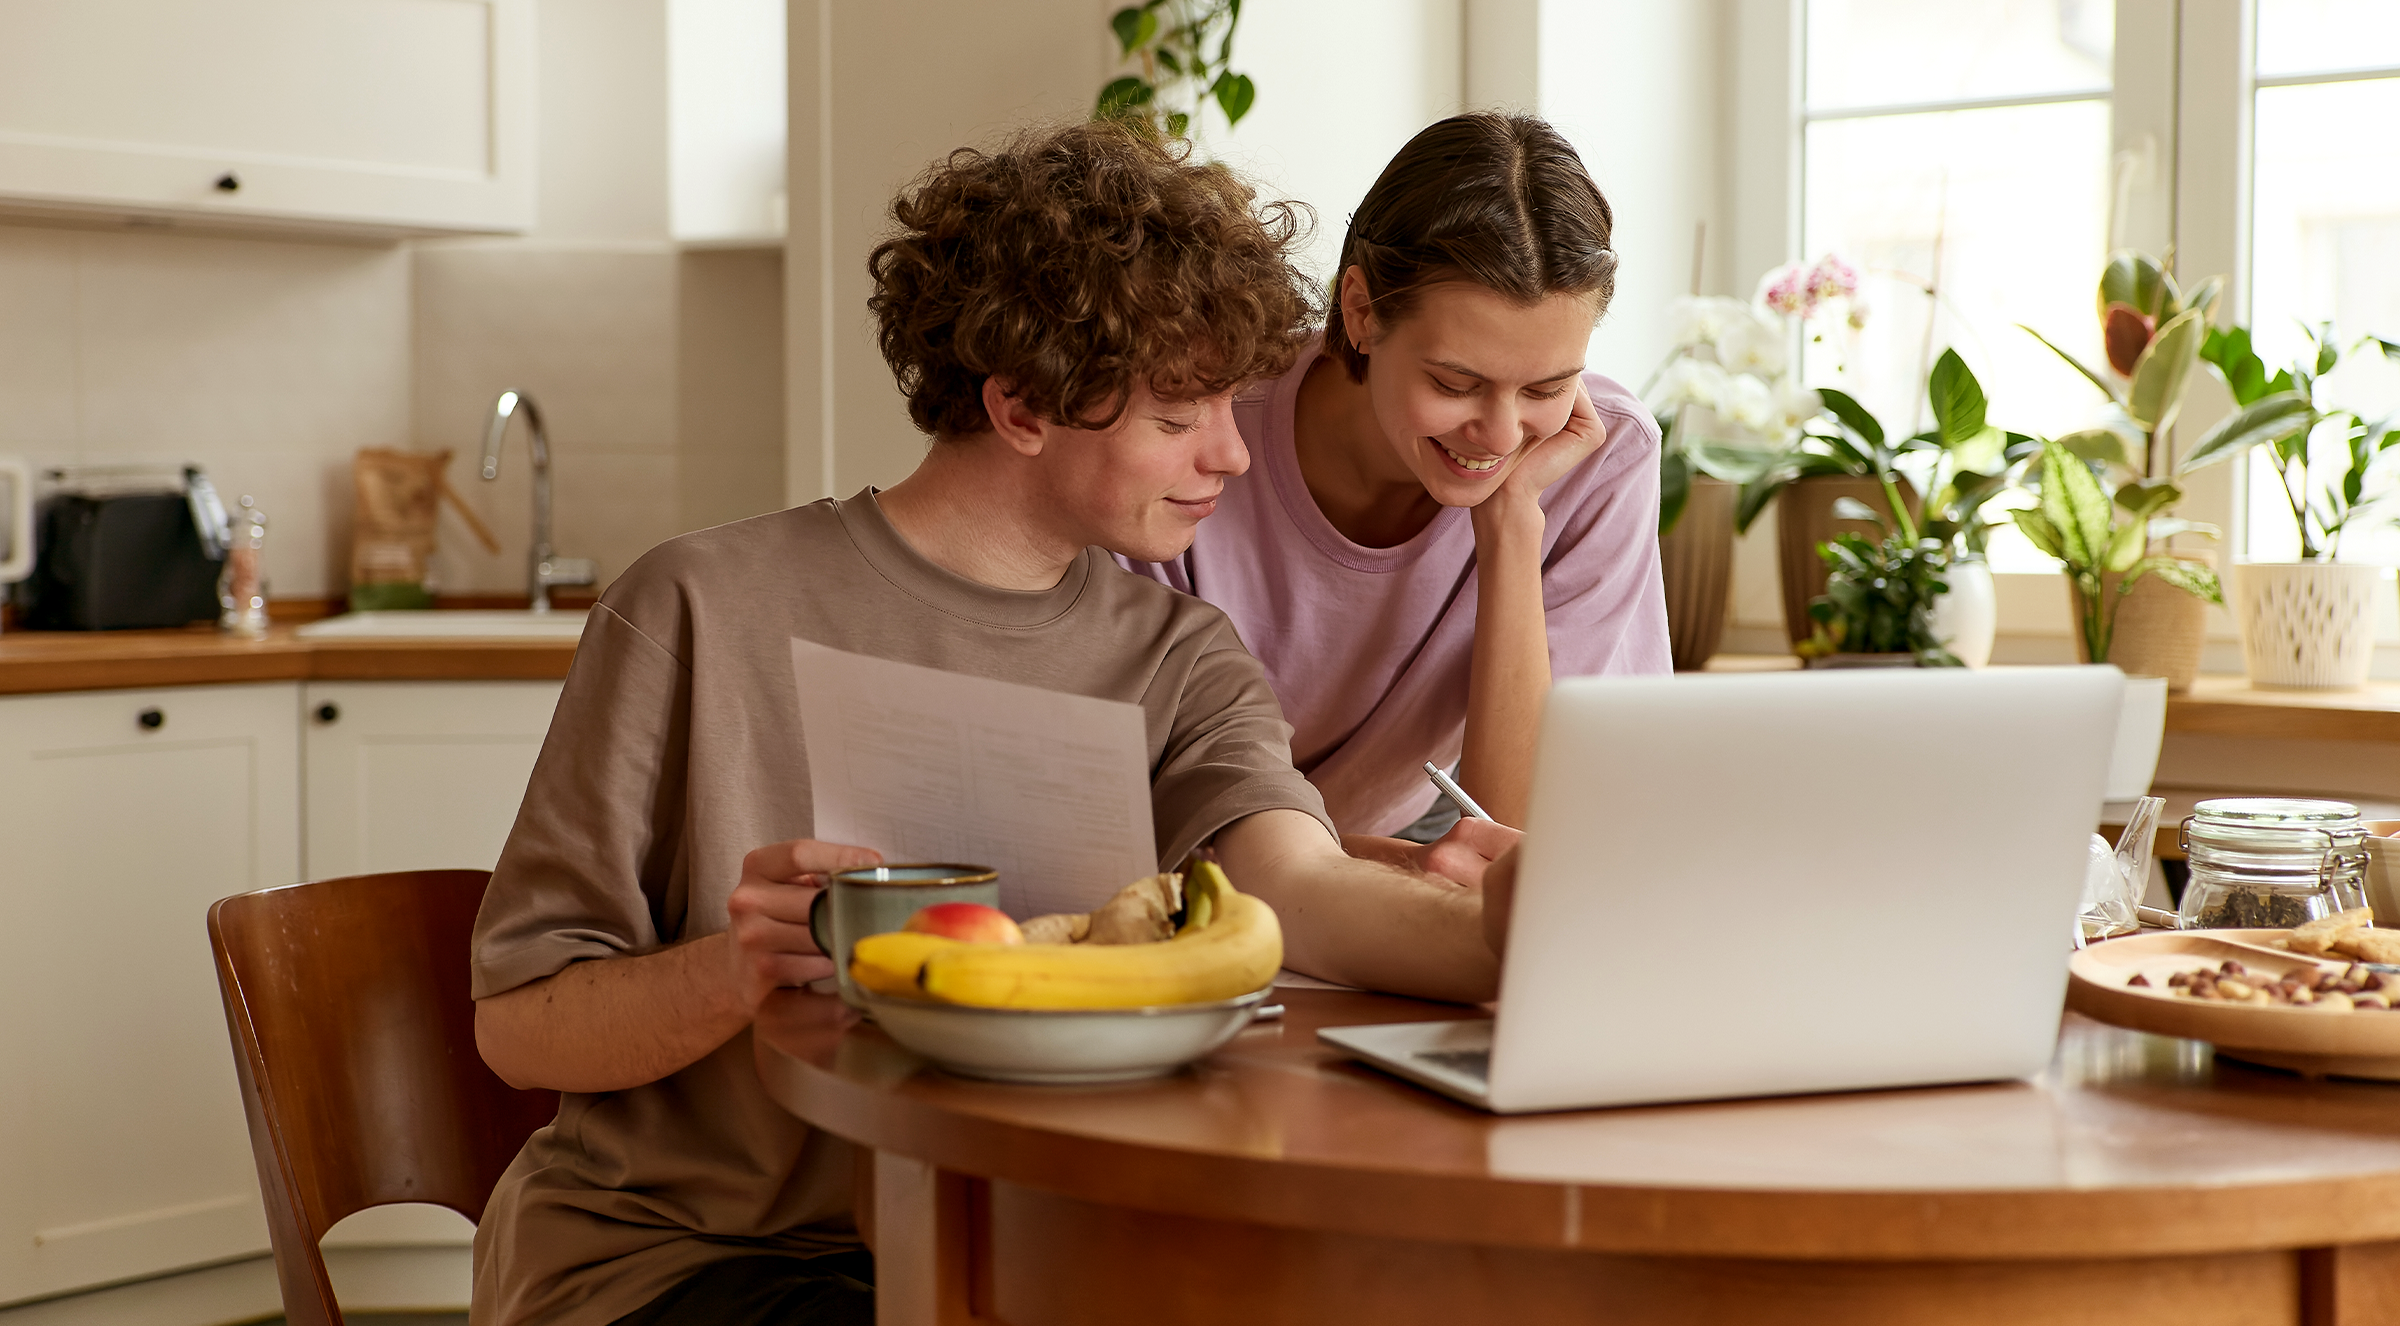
x=328, y=712
x=229, y=183
x=151, y=719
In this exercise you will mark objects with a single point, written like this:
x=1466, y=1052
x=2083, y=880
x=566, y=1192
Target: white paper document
x=1051, y=790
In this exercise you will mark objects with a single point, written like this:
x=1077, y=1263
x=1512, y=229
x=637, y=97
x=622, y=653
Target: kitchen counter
x=47, y=661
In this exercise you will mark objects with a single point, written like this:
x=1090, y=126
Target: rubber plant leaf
x=2147, y=500
x=2132, y=278
x=2125, y=332
x=2156, y=393
x=2078, y=365
x=2267, y=419
x=2203, y=297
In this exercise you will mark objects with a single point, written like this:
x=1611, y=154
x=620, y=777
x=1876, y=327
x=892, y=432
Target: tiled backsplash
x=271, y=362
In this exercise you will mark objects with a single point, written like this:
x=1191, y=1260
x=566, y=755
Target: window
x=2325, y=222
x=1958, y=156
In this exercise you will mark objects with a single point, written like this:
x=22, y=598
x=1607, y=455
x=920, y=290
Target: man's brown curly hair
x=1074, y=263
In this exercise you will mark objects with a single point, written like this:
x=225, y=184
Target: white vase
x=2141, y=727
x=1967, y=617
x=2306, y=625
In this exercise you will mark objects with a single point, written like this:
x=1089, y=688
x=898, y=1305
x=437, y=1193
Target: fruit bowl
x=1062, y=1045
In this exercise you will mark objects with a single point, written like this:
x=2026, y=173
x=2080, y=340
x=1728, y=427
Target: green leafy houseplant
x=1186, y=52
x=1963, y=459
x=2282, y=413
x=1879, y=596
x=2096, y=536
x=2152, y=330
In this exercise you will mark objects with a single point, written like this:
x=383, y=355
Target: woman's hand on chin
x=1544, y=463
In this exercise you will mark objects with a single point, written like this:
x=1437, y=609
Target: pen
x=1452, y=790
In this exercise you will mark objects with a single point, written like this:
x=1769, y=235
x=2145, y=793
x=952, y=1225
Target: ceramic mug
x=879, y=899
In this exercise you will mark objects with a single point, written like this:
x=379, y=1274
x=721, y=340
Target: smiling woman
x=1444, y=509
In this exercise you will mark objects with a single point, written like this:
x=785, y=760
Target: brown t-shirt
x=676, y=749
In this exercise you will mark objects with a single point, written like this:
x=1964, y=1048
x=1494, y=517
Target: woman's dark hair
x=1499, y=200
x=1074, y=263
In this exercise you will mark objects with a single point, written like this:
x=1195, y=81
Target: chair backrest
x=355, y=1035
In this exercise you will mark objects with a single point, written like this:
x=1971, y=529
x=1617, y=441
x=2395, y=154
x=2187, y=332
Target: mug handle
x=820, y=922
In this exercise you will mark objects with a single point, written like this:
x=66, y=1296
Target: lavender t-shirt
x=1368, y=648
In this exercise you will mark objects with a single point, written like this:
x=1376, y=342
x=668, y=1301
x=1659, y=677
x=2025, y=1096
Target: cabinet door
x=123, y=815
x=391, y=116
x=418, y=775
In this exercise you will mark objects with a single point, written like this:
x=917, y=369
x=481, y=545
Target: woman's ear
x=1016, y=424
x=1358, y=309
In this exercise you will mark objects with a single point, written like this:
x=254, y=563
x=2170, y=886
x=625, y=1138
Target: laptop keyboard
x=1476, y=1064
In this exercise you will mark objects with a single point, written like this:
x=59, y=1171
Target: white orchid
x=1757, y=344
x=1688, y=381
x=1697, y=320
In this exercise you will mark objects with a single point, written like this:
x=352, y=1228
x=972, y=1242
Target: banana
x=889, y=963
x=1230, y=945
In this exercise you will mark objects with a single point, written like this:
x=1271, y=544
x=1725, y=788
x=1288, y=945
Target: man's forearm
x=613, y=1023
x=1362, y=923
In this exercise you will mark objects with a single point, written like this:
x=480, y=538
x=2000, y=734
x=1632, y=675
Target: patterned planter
x=2306, y=625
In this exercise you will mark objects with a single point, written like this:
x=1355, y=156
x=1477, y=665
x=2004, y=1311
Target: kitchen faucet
x=544, y=569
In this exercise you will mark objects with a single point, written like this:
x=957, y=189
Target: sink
x=448, y=625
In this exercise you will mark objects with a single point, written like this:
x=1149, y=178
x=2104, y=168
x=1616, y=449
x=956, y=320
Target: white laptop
x=1749, y=885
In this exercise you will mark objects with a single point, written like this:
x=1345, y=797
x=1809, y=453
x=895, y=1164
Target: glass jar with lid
x=2271, y=862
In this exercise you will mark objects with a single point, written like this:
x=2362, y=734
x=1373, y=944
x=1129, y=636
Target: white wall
x=266, y=362
x=1342, y=84
x=1637, y=87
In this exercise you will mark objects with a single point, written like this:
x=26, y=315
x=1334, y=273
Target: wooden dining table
x=2139, y=1179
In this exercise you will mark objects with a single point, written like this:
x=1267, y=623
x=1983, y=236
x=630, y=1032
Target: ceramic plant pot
x=1967, y=617
x=2306, y=625
x=1803, y=520
x=2141, y=728
x=1697, y=560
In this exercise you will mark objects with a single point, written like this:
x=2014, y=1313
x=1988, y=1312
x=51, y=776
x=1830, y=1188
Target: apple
x=969, y=921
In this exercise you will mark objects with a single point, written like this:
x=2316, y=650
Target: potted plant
x=1878, y=604
x=2104, y=542
x=2310, y=623
x=1726, y=403
x=1845, y=462
x=1185, y=49
x=2152, y=330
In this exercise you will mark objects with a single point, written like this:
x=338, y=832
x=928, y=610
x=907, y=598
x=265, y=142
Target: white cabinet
x=378, y=116
x=123, y=815
x=418, y=775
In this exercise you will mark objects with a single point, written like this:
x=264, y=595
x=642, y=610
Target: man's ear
x=1018, y=426
x=1358, y=309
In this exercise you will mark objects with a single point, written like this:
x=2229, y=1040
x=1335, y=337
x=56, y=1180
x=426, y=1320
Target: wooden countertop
x=2228, y=706
x=39, y=661
x=2128, y=1146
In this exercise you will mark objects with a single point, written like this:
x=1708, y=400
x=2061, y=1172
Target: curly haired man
x=1068, y=317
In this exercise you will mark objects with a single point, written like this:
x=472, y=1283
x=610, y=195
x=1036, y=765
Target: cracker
x=2324, y=932
x=2370, y=945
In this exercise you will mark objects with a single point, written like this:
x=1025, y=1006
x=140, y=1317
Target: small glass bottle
x=2271, y=862
x=241, y=590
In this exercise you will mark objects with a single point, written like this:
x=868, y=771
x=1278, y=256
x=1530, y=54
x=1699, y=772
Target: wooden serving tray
x=2316, y=1044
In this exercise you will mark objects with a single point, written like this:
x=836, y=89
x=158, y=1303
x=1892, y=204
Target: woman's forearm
x=1509, y=666
x=613, y=1023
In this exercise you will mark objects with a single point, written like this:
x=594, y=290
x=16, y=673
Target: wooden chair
x=355, y=1037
